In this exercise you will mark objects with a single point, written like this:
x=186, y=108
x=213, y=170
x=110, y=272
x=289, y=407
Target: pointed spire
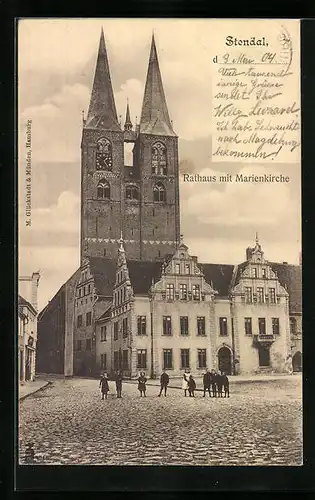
x=128, y=124
x=121, y=243
x=102, y=110
x=154, y=115
x=256, y=238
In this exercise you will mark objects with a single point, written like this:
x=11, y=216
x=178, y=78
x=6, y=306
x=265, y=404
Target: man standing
x=214, y=383
x=164, y=381
x=118, y=380
x=206, y=383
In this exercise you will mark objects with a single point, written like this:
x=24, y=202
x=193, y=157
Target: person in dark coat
x=118, y=380
x=214, y=383
x=191, y=386
x=164, y=381
x=104, y=385
x=141, y=384
x=206, y=383
x=219, y=384
x=226, y=385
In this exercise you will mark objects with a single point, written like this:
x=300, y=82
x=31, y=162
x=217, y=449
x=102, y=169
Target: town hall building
x=140, y=301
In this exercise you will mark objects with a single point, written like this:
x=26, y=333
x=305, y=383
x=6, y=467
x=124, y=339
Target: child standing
x=104, y=385
x=141, y=384
x=191, y=386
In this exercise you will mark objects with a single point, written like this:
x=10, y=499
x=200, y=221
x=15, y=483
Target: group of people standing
x=215, y=383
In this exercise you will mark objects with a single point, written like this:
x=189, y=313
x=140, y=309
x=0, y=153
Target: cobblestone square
x=69, y=423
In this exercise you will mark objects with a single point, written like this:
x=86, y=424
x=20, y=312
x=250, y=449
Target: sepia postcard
x=160, y=261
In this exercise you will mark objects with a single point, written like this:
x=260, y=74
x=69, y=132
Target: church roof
x=102, y=110
x=154, y=115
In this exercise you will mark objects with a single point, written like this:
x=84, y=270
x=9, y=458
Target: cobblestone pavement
x=260, y=424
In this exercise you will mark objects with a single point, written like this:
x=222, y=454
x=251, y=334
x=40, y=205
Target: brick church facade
x=139, y=299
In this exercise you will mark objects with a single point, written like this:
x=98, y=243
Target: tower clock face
x=103, y=160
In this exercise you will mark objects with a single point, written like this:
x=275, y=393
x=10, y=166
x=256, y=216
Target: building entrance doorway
x=297, y=362
x=264, y=356
x=225, y=360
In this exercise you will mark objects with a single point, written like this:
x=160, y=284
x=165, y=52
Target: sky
x=56, y=65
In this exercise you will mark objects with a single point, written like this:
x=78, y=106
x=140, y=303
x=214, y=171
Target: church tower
x=156, y=155
x=102, y=160
x=139, y=197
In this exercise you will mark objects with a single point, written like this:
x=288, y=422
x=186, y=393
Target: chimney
x=284, y=262
x=35, y=281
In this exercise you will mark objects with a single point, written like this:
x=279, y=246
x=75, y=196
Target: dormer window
x=187, y=269
x=264, y=272
x=177, y=268
x=254, y=270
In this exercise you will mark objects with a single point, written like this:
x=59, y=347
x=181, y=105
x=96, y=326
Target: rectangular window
x=184, y=325
x=88, y=344
x=248, y=326
x=272, y=295
x=116, y=360
x=88, y=318
x=184, y=358
x=260, y=294
x=142, y=325
x=142, y=358
x=275, y=326
x=196, y=292
x=202, y=358
x=89, y=289
x=187, y=268
x=116, y=330
x=167, y=359
x=182, y=291
x=79, y=345
x=248, y=294
x=262, y=326
x=103, y=361
x=201, y=325
x=103, y=334
x=125, y=327
x=79, y=320
x=177, y=268
x=125, y=364
x=263, y=273
x=170, y=291
x=167, y=325
x=223, y=326
x=254, y=272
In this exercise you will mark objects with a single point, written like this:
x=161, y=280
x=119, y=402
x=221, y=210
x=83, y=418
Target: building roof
x=104, y=272
x=142, y=273
x=24, y=302
x=219, y=276
x=290, y=277
x=102, y=110
x=154, y=115
x=106, y=314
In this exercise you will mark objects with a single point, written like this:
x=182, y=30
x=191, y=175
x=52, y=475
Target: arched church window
x=159, y=163
x=132, y=192
x=159, y=193
x=103, y=189
x=103, y=157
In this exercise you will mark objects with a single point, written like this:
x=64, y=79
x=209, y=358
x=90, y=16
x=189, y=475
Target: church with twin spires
x=139, y=300
x=139, y=201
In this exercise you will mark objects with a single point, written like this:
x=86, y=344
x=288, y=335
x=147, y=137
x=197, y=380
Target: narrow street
x=68, y=423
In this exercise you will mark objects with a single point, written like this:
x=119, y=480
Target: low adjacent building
x=27, y=339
